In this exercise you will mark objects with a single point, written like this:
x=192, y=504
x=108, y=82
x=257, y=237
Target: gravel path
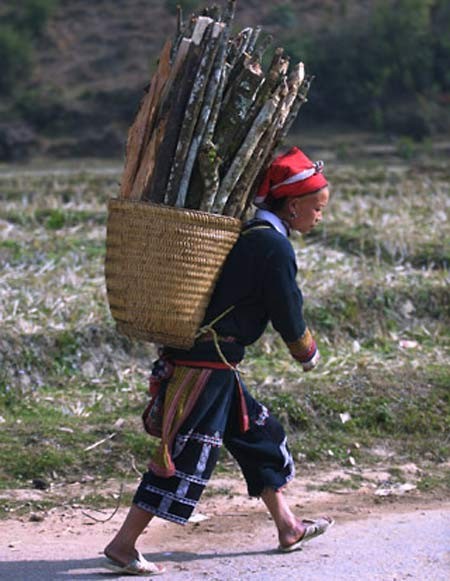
x=407, y=545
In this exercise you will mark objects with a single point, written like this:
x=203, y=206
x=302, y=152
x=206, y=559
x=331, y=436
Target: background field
x=375, y=280
x=73, y=72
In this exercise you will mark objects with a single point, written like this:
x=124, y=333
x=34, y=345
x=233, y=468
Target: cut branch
x=237, y=200
x=204, y=116
x=171, y=122
x=209, y=163
x=142, y=126
x=245, y=152
x=253, y=40
x=234, y=120
x=221, y=71
x=141, y=187
x=193, y=109
x=300, y=100
x=210, y=122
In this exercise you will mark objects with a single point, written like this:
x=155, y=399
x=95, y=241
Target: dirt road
x=387, y=539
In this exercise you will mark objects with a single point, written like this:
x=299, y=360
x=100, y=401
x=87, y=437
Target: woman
x=199, y=401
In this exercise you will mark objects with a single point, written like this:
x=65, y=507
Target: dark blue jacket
x=259, y=279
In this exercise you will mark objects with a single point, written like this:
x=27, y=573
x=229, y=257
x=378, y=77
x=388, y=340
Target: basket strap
x=209, y=328
x=244, y=422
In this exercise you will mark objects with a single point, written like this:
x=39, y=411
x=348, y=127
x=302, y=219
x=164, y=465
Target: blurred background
x=73, y=71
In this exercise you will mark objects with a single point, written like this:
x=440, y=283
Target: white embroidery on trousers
x=178, y=496
x=183, y=488
x=202, y=461
x=286, y=455
x=180, y=443
x=165, y=503
x=262, y=417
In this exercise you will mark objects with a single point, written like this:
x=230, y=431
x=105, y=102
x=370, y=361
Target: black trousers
x=261, y=452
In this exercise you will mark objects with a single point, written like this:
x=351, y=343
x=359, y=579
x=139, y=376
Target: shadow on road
x=94, y=568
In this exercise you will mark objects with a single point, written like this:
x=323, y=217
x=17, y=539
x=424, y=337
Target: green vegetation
x=186, y=5
x=381, y=66
x=385, y=70
x=22, y=26
x=30, y=17
x=15, y=55
x=283, y=15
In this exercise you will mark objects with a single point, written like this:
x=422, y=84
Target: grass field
x=375, y=280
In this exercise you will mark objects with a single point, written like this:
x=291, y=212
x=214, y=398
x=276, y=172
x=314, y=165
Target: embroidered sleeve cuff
x=303, y=349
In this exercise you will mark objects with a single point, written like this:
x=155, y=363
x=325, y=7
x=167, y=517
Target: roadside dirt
x=233, y=536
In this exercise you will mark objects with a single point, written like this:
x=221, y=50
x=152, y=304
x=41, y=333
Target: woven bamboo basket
x=161, y=266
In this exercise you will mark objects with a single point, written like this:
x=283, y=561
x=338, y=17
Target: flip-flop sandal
x=314, y=528
x=137, y=566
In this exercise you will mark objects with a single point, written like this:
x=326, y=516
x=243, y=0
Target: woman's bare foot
x=120, y=555
x=304, y=530
x=290, y=535
x=122, y=549
x=131, y=561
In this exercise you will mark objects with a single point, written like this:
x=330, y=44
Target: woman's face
x=305, y=212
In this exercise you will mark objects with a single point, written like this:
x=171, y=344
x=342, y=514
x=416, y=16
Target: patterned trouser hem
x=161, y=513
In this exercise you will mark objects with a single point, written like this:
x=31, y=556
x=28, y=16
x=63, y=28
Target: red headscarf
x=291, y=174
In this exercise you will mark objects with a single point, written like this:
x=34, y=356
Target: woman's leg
x=123, y=546
x=266, y=463
x=290, y=528
x=195, y=453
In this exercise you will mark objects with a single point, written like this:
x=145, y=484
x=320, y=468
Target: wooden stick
x=245, y=152
x=221, y=70
x=180, y=173
x=200, y=173
x=189, y=115
x=209, y=163
x=172, y=119
x=295, y=108
x=237, y=200
x=253, y=40
x=275, y=76
x=202, y=24
x=278, y=68
x=245, y=188
x=294, y=82
x=147, y=168
x=145, y=175
x=251, y=179
x=203, y=117
x=234, y=119
x=239, y=45
x=100, y=442
x=179, y=34
x=139, y=131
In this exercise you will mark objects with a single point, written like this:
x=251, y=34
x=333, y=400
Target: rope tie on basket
x=210, y=329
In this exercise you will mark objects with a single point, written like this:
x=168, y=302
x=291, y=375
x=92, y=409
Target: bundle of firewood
x=211, y=118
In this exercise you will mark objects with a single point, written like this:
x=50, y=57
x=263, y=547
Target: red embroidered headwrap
x=291, y=174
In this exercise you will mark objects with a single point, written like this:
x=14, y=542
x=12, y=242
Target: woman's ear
x=292, y=207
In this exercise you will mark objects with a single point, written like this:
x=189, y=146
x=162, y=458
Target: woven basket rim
x=175, y=211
